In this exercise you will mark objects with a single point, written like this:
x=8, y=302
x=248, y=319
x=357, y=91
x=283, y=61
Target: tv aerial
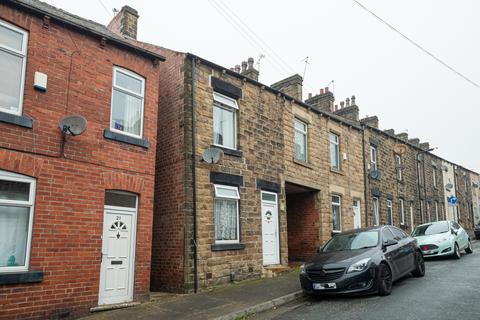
x=212, y=155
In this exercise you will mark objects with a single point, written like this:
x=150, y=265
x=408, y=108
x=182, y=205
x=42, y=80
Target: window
x=389, y=212
x=436, y=210
x=422, y=215
x=373, y=158
x=226, y=214
x=402, y=212
x=127, y=103
x=301, y=140
x=387, y=235
x=412, y=224
x=13, y=57
x=376, y=212
x=17, y=198
x=337, y=213
x=398, y=234
x=123, y=199
x=434, y=176
x=420, y=173
x=398, y=165
x=334, y=151
x=428, y=212
x=224, y=121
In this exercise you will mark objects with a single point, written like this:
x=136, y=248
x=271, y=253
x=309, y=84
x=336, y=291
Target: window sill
x=227, y=246
x=230, y=152
x=21, y=121
x=337, y=171
x=111, y=135
x=302, y=163
x=21, y=277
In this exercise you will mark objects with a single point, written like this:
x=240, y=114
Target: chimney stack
x=424, y=146
x=390, y=132
x=323, y=101
x=237, y=68
x=402, y=136
x=348, y=110
x=370, y=121
x=414, y=141
x=291, y=86
x=248, y=69
x=125, y=22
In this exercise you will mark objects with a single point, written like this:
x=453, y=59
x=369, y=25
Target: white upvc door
x=357, y=219
x=118, y=256
x=270, y=234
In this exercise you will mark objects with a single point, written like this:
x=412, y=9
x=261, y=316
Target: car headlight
x=302, y=269
x=359, y=265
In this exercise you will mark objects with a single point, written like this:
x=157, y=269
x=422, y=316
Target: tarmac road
x=450, y=290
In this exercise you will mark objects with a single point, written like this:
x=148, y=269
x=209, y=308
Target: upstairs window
x=127, y=103
x=13, y=57
x=301, y=140
x=17, y=198
x=434, y=176
x=226, y=214
x=373, y=158
x=224, y=121
x=334, y=151
x=398, y=166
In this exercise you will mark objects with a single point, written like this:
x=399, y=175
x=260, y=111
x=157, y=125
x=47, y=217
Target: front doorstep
x=273, y=271
x=108, y=307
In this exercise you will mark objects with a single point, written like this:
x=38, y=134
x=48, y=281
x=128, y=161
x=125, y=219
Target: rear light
x=425, y=248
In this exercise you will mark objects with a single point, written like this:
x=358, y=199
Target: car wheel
x=385, y=280
x=469, y=248
x=419, y=270
x=456, y=252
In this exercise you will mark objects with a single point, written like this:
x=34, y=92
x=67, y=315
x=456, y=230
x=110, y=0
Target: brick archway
x=121, y=181
x=21, y=163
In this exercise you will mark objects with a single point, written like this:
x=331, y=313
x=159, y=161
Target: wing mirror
x=389, y=243
x=455, y=232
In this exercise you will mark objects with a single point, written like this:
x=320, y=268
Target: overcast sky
x=405, y=88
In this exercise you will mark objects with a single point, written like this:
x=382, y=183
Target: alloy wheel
x=387, y=278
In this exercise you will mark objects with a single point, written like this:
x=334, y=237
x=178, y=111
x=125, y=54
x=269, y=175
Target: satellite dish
x=73, y=125
x=212, y=155
x=449, y=186
x=445, y=168
x=375, y=174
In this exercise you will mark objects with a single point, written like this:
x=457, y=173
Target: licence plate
x=428, y=251
x=324, y=286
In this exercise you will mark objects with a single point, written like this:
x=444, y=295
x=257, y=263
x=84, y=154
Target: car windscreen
x=433, y=228
x=352, y=241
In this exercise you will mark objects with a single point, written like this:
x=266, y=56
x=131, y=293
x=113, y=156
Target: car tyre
x=385, y=280
x=419, y=270
x=456, y=252
x=469, y=248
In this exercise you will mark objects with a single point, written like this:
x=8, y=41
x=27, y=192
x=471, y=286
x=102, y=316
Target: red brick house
x=75, y=211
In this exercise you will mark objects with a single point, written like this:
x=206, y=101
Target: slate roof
x=83, y=24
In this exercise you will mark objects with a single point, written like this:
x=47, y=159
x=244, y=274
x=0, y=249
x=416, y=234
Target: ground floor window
x=17, y=198
x=376, y=212
x=226, y=214
x=337, y=213
x=402, y=212
x=389, y=212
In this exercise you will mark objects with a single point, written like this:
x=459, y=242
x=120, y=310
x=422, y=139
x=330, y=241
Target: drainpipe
x=194, y=183
x=426, y=207
x=364, y=175
x=418, y=184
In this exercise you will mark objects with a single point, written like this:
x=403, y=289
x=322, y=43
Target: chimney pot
x=336, y=107
x=353, y=100
x=244, y=66
x=237, y=68
x=326, y=89
x=310, y=95
x=250, y=63
x=321, y=91
x=347, y=102
x=342, y=104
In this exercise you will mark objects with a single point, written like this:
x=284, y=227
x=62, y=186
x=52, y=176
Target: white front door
x=270, y=233
x=116, y=277
x=357, y=219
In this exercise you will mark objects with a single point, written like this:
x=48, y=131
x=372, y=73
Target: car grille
x=426, y=247
x=325, y=275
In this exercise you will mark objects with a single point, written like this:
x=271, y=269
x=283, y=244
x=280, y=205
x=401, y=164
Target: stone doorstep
x=109, y=307
x=274, y=271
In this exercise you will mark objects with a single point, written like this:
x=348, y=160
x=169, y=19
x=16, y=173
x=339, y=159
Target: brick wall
x=68, y=217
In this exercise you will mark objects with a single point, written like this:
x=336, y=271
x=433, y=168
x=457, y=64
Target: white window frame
x=436, y=210
x=402, y=211
x=428, y=212
x=398, y=164
x=339, y=205
x=376, y=211
x=229, y=104
x=23, y=54
x=390, y=210
x=411, y=218
x=10, y=176
x=237, y=198
x=129, y=92
x=304, y=133
x=422, y=213
x=336, y=145
x=373, y=158
x=434, y=176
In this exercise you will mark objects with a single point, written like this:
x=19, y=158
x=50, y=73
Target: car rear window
x=433, y=228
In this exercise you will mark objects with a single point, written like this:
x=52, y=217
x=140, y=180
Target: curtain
x=226, y=219
x=300, y=146
x=224, y=127
x=10, y=81
x=334, y=155
x=127, y=113
x=336, y=217
x=13, y=235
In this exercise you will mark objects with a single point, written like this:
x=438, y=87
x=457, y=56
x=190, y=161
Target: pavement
x=449, y=290
x=234, y=301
